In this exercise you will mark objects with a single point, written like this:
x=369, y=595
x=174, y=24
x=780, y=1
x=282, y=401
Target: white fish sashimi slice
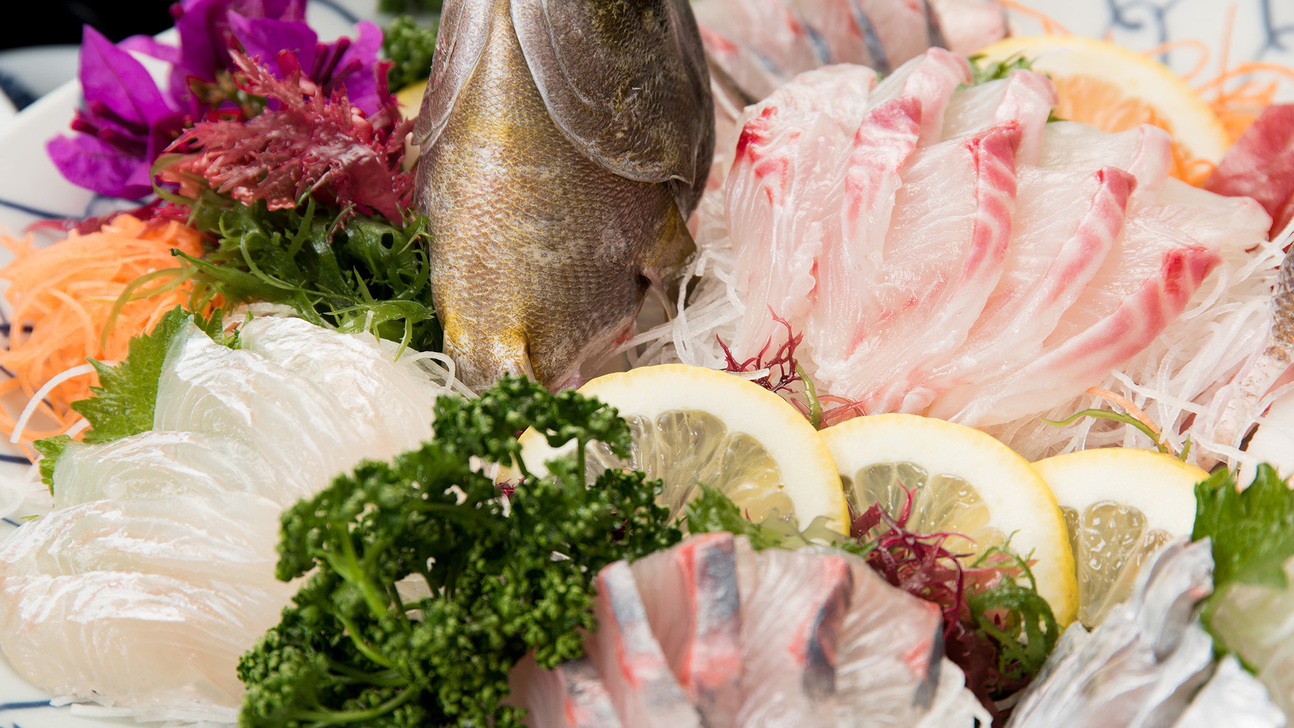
x=791, y=622
x=1024, y=96
x=570, y=696
x=395, y=396
x=629, y=659
x=848, y=266
x=694, y=608
x=752, y=74
x=931, y=78
x=1158, y=262
x=938, y=271
x=1061, y=239
x=154, y=642
x=157, y=463
x=787, y=178
x=1144, y=152
x=969, y=25
x=210, y=540
x=296, y=425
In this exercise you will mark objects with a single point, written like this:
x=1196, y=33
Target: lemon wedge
x=410, y=99
x=694, y=425
x=1115, y=89
x=963, y=482
x=1120, y=506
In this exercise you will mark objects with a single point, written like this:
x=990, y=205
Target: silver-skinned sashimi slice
x=1065, y=226
x=937, y=271
x=890, y=653
x=902, y=25
x=295, y=424
x=154, y=463
x=969, y=25
x=694, y=608
x=568, y=696
x=791, y=623
x=629, y=659
x=773, y=35
x=847, y=33
x=787, y=180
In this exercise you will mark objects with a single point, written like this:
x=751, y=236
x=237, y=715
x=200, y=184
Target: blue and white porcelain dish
x=1253, y=31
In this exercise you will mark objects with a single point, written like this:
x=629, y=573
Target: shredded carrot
x=75, y=300
x=1127, y=406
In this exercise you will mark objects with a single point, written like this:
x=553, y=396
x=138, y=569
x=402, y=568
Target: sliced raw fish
x=203, y=540
x=1261, y=165
x=791, y=624
x=1144, y=152
x=889, y=666
x=295, y=424
x=753, y=75
x=569, y=696
x=629, y=659
x=790, y=157
x=1065, y=227
x=160, y=644
x=358, y=372
x=903, y=27
x=157, y=463
x=694, y=608
x=771, y=30
x=937, y=271
x=931, y=78
x=969, y=25
x=1023, y=96
x=848, y=34
x=1146, y=281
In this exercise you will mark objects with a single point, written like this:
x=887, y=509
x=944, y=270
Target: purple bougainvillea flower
x=125, y=123
x=352, y=64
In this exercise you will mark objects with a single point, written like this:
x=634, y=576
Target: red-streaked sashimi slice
x=1065, y=226
x=751, y=73
x=629, y=659
x=694, y=609
x=791, y=622
x=1157, y=263
x=1024, y=96
x=1144, y=152
x=903, y=27
x=942, y=259
x=848, y=265
x=787, y=181
x=1261, y=166
x=569, y=696
x=847, y=33
x=890, y=652
x=969, y=25
x=932, y=78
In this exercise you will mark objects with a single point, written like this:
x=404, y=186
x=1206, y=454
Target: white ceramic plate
x=1260, y=30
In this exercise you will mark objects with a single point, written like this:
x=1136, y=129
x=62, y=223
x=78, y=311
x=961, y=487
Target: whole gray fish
x=563, y=145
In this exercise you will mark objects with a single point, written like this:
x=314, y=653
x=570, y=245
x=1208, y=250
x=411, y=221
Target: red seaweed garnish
x=781, y=371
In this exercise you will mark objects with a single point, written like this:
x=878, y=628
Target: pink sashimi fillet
x=1261, y=166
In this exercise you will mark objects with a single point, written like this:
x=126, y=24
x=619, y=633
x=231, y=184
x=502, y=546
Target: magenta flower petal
x=149, y=46
x=88, y=162
x=112, y=77
x=362, y=83
x=263, y=39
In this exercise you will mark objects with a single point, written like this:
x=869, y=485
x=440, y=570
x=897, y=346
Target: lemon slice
x=410, y=99
x=1120, y=506
x=1113, y=88
x=696, y=425
x=963, y=481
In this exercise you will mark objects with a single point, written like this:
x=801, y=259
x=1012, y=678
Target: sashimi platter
x=723, y=363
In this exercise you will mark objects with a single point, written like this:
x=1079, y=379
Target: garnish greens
x=409, y=6
x=367, y=275
x=354, y=649
x=125, y=399
x=409, y=45
x=1252, y=530
x=983, y=70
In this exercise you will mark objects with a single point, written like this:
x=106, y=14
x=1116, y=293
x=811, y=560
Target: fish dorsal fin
x=460, y=42
x=626, y=82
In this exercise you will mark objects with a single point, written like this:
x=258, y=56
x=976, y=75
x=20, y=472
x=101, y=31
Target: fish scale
x=543, y=245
